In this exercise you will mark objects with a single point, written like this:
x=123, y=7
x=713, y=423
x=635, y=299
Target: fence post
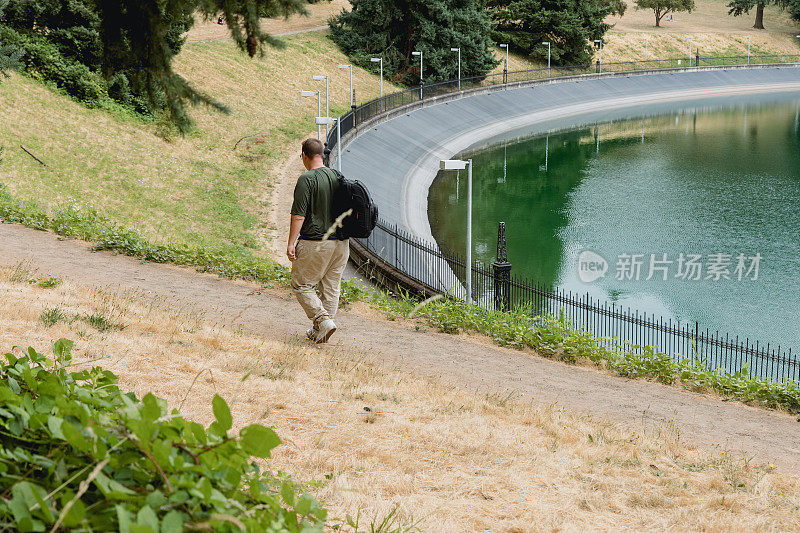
x=502, y=272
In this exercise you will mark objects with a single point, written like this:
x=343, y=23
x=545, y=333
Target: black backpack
x=354, y=195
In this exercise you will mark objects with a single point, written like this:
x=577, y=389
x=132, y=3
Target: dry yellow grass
x=453, y=460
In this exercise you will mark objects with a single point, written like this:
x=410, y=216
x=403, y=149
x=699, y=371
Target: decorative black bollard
x=597, y=66
x=326, y=155
x=505, y=76
x=697, y=59
x=501, y=269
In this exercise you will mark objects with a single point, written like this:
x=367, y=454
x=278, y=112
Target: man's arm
x=294, y=233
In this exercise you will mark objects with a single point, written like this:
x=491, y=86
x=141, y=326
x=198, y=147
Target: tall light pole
x=328, y=121
x=600, y=41
x=321, y=77
x=459, y=65
x=748, y=49
x=690, y=51
x=457, y=164
x=505, y=70
x=548, y=57
x=352, y=104
x=420, y=72
x=645, y=53
x=798, y=57
x=319, y=108
x=379, y=60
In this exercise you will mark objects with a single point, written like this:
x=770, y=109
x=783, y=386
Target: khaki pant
x=319, y=262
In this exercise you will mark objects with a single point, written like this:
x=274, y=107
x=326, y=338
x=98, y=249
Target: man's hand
x=295, y=226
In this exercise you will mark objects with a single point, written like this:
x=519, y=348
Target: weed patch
x=51, y=317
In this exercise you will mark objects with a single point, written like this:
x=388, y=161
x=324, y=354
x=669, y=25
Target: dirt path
x=468, y=363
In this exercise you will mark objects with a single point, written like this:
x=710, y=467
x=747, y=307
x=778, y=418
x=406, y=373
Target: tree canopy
x=569, y=25
x=392, y=29
x=662, y=8
x=743, y=7
x=123, y=49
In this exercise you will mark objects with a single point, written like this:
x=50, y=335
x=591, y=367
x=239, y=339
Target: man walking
x=317, y=257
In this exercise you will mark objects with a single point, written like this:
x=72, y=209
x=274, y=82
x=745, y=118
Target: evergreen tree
x=125, y=48
x=662, y=8
x=10, y=55
x=569, y=25
x=392, y=29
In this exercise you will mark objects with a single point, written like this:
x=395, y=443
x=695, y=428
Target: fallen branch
x=31, y=154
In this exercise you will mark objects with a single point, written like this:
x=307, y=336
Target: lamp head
x=455, y=49
x=376, y=59
x=345, y=66
x=308, y=93
x=503, y=46
x=452, y=164
x=547, y=43
x=416, y=53
x=324, y=121
x=319, y=78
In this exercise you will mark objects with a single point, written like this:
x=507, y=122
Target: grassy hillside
x=710, y=27
x=196, y=189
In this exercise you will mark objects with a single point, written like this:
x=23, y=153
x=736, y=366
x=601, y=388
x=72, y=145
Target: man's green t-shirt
x=313, y=199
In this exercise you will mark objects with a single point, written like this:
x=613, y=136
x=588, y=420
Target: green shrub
x=79, y=453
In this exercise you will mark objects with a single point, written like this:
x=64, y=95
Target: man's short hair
x=312, y=148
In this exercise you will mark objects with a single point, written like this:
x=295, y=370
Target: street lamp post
x=319, y=108
x=379, y=60
x=328, y=121
x=600, y=41
x=690, y=51
x=798, y=57
x=421, y=83
x=321, y=77
x=645, y=53
x=748, y=49
x=548, y=57
x=505, y=70
x=457, y=164
x=459, y=65
x=352, y=104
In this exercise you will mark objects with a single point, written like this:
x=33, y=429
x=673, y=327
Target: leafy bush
x=77, y=452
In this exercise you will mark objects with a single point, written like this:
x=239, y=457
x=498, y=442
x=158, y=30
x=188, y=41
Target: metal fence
x=444, y=272
x=388, y=102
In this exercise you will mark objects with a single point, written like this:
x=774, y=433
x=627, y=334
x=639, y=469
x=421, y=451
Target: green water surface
x=703, y=182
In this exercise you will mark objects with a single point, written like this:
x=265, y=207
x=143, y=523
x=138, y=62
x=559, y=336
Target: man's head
x=312, y=149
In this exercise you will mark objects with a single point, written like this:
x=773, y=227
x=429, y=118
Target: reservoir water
x=695, y=214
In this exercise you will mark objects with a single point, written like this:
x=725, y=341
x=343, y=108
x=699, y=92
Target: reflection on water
x=647, y=195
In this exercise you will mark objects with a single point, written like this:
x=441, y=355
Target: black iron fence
x=388, y=102
x=443, y=272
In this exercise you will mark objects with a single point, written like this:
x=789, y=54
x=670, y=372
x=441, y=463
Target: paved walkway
x=466, y=362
